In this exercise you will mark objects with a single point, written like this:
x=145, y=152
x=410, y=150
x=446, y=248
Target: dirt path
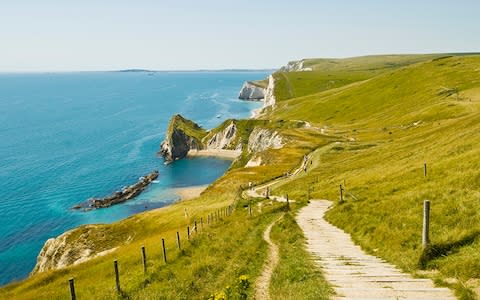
x=263, y=281
x=355, y=274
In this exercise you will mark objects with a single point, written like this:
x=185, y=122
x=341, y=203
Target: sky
x=90, y=35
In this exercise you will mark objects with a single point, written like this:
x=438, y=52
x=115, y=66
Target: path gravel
x=353, y=273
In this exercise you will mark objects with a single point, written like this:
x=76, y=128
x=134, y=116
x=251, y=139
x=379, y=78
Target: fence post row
x=210, y=218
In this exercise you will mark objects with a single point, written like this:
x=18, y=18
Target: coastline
x=255, y=114
x=190, y=192
x=221, y=153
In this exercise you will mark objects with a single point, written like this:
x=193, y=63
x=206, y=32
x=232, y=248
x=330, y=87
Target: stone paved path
x=353, y=273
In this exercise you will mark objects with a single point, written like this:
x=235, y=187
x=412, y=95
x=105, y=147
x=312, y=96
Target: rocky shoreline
x=117, y=197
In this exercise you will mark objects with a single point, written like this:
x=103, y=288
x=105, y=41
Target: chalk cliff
x=224, y=139
x=270, y=93
x=251, y=91
x=76, y=246
x=295, y=66
x=262, y=139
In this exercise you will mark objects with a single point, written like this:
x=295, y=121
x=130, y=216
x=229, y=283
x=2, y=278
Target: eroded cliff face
x=76, y=246
x=270, y=93
x=251, y=91
x=224, y=139
x=182, y=136
x=177, y=145
x=262, y=139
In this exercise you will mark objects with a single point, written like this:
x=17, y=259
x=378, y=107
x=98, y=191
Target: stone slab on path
x=353, y=273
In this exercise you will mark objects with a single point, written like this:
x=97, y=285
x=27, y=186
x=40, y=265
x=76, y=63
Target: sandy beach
x=190, y=192
x=232, y=154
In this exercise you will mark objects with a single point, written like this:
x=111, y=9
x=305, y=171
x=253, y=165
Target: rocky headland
x=182, y=136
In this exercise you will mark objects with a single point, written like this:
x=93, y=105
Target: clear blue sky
x=56, y=35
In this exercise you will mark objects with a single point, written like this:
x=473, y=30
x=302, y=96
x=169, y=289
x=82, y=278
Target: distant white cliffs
x=259, y=91
x=251, y=91
x=295, y=66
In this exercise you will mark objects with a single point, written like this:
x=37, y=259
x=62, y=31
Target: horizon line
x=230, y=69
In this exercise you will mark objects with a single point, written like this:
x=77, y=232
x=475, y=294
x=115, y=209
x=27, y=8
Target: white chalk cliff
x=262, y=139
x=295, y=66
x=74, y=247
x=270, y=93
x=223, y=139
x=251, y=91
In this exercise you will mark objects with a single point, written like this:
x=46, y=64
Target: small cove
x=67, y=137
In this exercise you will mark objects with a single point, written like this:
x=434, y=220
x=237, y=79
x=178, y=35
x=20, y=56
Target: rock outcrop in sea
x=252, y=91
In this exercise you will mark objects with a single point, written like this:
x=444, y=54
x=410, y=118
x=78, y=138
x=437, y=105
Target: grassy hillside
x=334, y=73
x=386, y=128
x=370, y=130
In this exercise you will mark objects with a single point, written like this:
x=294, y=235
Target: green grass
x=379, y=153
x=296, y=276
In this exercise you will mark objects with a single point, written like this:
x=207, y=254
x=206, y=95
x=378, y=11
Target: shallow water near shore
x=67, y=137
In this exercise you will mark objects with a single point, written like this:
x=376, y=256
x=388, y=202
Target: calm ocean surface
x=66, y=137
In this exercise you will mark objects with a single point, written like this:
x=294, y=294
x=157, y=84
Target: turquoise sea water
x=66, y=137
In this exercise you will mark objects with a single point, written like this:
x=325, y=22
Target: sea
x=68, y=137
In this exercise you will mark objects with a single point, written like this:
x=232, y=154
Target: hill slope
x=371, y=133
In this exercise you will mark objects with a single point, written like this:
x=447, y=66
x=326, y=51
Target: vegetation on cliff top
x=189, y=127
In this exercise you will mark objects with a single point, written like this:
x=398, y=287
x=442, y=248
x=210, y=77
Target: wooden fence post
x=178, y=241
x=425, y=169
x=144, y=260
x=188, y=232
x=201, y=223
x=72, y=289
x=288, y=202
x=117, y=275
x=195, y=223
x=426, y=223
x=341, y=194
x=164, y=251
